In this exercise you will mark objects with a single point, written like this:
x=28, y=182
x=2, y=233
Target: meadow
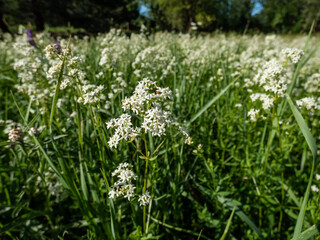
x=159, y=136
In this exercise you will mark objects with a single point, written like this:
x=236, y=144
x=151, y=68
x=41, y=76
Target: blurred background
x=93, y=16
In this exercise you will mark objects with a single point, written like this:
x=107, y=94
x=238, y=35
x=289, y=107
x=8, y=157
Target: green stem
x=145, y=182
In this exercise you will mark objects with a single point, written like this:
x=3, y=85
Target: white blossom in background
x=91, y=94
x=267, y=101
x=314, y=188
x=312, y=84
x=318, y=177
x=253, y=114
x=33, y=131
x=308, y=103
x=293, y=54
x=273, y=75
x=15, y=135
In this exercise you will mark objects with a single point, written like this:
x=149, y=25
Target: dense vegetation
x=159, y=136
x=290, y=16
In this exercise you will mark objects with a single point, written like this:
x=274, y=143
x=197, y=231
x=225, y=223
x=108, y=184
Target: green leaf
x=204, y=108
x=231, y=206
x=83, y=182
x=313, y=147
x=310, y=232
x=20, y=221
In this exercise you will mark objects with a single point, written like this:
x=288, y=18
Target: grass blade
x=231, y=206
x=226, y=230
x=203, y=109
x=310, y=232
x=313, y=147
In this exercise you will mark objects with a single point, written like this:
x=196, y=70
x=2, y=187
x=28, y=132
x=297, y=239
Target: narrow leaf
x=203, y=109
x=313, y=147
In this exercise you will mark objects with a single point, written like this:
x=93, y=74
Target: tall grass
x=240, y=179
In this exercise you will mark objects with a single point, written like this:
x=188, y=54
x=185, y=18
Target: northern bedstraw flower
x=292, y=54
x=123, y=129
x=144, y=199
x=267, y=101
x=91, y=94
x=314, y=188
x=148, y=102
x=273, y=78
x=33, y=131
x=313, y=83
x=123, y=187
x=309, y=103
x=253, y=114
x=15, y=135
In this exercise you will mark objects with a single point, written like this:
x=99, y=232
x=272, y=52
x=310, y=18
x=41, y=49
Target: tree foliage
x=288, y=16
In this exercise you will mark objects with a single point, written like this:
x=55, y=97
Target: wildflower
x=30, y=37
x=123, y=187
x=145, y=92
x=156, y=120
x=15, y=135
x=253, y=114
x=308, y=102
x=267, y=101
x=91, y=94
x=292, y=54
x=318, y=177
x=51, y=50
x=123, y=129
x=314, y=188
x=144, y=199
x=33, y=131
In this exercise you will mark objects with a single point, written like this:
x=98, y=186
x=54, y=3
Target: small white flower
x=33, y=131
x=309, y=103
x=293, y=54
x=314, y=188
x=15, y=135
x=253, y=114
x=144, y=199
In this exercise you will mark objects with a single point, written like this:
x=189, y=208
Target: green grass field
x=165, y=136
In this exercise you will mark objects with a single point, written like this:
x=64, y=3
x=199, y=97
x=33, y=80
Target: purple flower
x=58, y=45
x=30, y=38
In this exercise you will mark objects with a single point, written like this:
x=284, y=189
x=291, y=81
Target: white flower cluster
x=156, y=120
x=146, y=92
x=33, y=131
x=144, y=199
x=123, y=129
x=293, y=54
x=123, y=187
x=313, y=83
x=91, y=94
x=15, y=135
x=267, y=101
x=253, y=114
x=309, y=103
x=273, y=78
x=314, y=188
x=146, y=101
x=155, y=60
